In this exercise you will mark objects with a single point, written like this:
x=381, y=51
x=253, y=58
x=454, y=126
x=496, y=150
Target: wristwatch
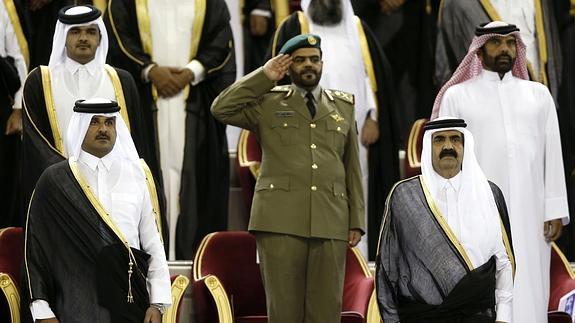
x=160, y=307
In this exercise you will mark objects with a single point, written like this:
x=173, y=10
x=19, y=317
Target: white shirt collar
x=72, y=66
x=454, y=182
x=92, y=161
x=494, y=76
x=316, y=92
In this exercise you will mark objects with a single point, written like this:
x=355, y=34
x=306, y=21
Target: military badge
x=284, y=114
x=337, y=117
x=311, y=40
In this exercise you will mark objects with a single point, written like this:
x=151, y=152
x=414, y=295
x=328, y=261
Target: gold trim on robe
x=119, y=91
x=51, y=109
x=564, y=260
x=15, y=20
x=508, y=249
x=144, y=25
x=367, y=62
x=444, y=225
x=281, y=10
x=303, y=23
x=25, y=108
x=151, y=184
x=119, y=39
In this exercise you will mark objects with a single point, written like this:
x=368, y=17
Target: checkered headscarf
x=471, y=65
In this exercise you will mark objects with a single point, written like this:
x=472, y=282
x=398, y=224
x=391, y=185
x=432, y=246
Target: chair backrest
x=413, y=149
x=231, y=256
x=562, y=277
x=11, y=256
x=248, y=164
x=558, y=317
x=358, y=289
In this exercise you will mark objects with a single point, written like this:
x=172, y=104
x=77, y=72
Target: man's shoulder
x=340, y=95
x=54, y=173
x=405, y=187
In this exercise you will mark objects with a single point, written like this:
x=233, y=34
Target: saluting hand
x=277, y=67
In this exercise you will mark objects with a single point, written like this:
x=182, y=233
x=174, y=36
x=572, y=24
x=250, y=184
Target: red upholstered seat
x=413, y=147
x=248, y=164
x=228, y=287
x=559, y=317
x=11, y=256
x=562, y=281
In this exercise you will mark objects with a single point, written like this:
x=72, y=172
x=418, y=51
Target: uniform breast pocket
x=337, y=133
x=286, y=129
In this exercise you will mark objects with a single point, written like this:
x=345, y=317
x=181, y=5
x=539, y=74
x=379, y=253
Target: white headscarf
x=58, y=55
x=476, y=202
x=124, y=147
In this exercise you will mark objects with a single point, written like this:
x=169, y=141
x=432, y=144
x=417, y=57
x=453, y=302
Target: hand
x=258, y=25
x=369, y=132
x=153, y=315
x=354, y=237
x=183, y=76
x=552, y=229
x=37, y=4
x=50, y=320
x=500, y=322
x=277, y=67
x=14, y=123
x=389, y=6
x=162, y=78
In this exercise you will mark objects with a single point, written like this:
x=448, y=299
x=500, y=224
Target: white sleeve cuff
x=18, y=100
x=199, y=71
x=145, y=73
x=260, y=12
x=41, y=310
x=557, y=208
x=503, y=312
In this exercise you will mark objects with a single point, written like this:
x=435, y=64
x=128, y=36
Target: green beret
x=301, y=41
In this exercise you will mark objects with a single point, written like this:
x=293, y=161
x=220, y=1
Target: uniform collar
x=316, y=92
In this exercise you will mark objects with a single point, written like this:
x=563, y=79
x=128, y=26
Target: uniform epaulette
x=347, y=97
x=283, y=88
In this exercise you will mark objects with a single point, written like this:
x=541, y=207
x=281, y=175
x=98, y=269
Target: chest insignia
x=337, y=117
x=284, y=114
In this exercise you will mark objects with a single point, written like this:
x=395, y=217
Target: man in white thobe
x=182, y=54
x=514, y=122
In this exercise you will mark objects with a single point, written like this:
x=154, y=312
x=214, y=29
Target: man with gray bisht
x=444, y=254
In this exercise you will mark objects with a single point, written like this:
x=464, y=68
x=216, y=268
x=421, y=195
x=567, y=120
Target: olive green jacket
x=310, y=178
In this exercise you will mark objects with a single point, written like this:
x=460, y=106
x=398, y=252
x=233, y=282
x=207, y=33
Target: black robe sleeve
x=502, y=208
x=38, y=150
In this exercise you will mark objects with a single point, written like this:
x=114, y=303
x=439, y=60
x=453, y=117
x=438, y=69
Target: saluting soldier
x=308, y=203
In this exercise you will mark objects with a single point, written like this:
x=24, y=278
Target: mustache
x=448, y=152
x=503, y=56
x=102, y=136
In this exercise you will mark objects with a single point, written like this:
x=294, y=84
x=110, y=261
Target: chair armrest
x=179, y=285
x=12, y=295
x=209, y=293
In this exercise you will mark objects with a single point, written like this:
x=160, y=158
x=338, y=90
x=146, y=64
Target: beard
x=326, y=12
x=307, y=79
x=501, y=63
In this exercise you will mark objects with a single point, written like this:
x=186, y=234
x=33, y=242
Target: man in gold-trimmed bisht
x=182, y=56
x=93, y=252
x=444, y=251
x=77, y=70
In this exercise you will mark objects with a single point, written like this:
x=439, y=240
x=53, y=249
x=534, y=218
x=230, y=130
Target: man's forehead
x=306, y=52
x=447, y=133
x=98, y=117
x=502, y=37
x=90, y=26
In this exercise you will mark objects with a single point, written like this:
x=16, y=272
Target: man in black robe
x=12, y=75
x=93, y=252
x=382, y=149
x=50, y=92
x=444, y=252
x=259, y=26
x=181, y=65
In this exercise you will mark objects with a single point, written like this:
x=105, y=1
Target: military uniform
x=308, y=195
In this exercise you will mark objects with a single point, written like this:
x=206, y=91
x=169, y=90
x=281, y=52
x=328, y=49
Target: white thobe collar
x=72, y=66
x=443, y=182
x=491, y=76
x=92, y=161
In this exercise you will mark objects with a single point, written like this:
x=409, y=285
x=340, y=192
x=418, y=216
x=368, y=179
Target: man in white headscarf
x=444, y=254
x=518, y=146
x=77, y=70
x=93, y=250
x=354, y=63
